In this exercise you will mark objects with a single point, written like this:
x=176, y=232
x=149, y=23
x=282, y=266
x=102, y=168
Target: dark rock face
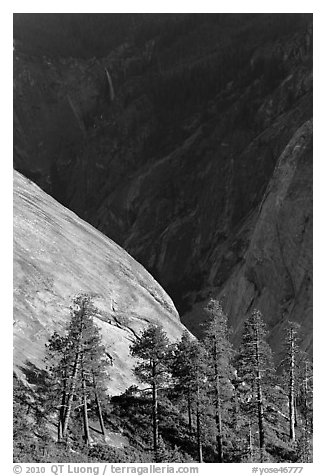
x=175, y=168
x=275, y=271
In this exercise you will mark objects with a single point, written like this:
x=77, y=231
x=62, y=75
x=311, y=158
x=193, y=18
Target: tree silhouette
x=78, y=366
x=189, y=368
x=256, y=369
x=153, y=349
x=219, y=369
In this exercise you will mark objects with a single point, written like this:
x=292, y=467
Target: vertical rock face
x=278, y=263
x=57, y=255
x=275, y=273
x=178, y=168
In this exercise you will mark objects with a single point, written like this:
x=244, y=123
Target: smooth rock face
x=57, y=255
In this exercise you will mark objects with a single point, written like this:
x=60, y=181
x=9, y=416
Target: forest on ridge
x=197, y=400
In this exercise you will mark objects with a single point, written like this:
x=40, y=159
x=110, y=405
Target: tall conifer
x=256, y=369
x=189, y=369
x=152, y=349
x=77, y=364
x=219, y=368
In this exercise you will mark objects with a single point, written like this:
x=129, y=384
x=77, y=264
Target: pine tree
x=220, y=370
x=290, y=365
x=256, y=370
x=189, y=368
x=94, y=375
x=180, y=369
x=57, y=360
x=78, y=365
x=153, y=350
x=305, y=404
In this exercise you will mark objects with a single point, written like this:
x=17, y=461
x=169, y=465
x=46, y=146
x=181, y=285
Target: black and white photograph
x=163, y=239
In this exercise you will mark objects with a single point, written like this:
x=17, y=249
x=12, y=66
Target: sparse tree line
x=233, y=394
x=225, y=405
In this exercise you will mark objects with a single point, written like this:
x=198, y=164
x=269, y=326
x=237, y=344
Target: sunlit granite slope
x=57, y=255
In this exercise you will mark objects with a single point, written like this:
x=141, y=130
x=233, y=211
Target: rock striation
x=275, y=271
x=57, y=255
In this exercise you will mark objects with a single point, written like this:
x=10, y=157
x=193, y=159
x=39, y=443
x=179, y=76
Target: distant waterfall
x=110, y=84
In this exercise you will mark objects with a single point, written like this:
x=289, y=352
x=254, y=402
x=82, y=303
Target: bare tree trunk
x=260, y=417
x=62, y=409
x=98, y=406
x=308, y=422
x=71, y=393
x=154, y=413
x=295, y=413
x=250, y=443
x=291, y=389
x=85, y=415
x=199, y=442
x=189, y=412
x=218, y=419
x=59, y=430
x=61, y=416
x=218, y=416
x=260, y=408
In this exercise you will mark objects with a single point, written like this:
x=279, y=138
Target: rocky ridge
x=275, y=272
x=56, y=256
